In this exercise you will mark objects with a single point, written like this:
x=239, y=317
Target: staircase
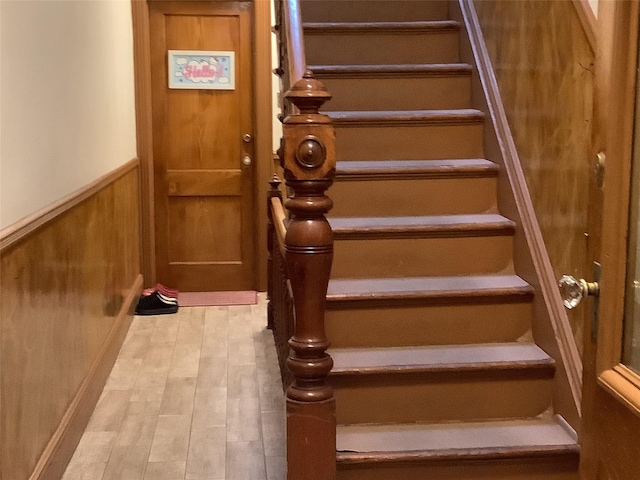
x=436, y=373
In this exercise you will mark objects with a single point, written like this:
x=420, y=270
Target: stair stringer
x=551, y=328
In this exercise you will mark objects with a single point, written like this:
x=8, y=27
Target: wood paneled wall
x=68, y=286
x=544, y=66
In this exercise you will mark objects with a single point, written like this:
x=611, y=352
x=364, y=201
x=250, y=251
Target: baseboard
x=64, y=441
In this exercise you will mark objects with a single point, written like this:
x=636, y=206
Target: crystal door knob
x=573, y=291
x=246, y=160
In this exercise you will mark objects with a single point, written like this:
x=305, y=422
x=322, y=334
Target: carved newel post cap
x=308, y=94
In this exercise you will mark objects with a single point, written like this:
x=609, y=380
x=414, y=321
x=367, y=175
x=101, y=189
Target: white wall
x=67, y=112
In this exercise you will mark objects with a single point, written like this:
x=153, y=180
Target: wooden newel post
x=309, y=168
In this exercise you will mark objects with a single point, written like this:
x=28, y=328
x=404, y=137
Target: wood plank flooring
x=192, y=396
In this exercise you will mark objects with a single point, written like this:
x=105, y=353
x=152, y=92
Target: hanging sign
x=202, y=70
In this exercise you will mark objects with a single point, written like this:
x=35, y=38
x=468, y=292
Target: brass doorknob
x=573, y=291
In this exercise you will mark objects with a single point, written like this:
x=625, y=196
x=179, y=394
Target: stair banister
x=290, y=46
x=280, y=315
x=276, y=230
x=308, y=161
x=295, y=52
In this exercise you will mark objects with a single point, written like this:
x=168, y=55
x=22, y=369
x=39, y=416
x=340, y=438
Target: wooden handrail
x=297, y=63
x=279, y=221
x=280, y=315
x=290, y=47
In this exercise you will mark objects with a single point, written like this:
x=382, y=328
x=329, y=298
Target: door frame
x=611, y=393
x=619, y=22
x=263, y=154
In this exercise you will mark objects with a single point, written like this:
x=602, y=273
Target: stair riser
x=444, y=196
x=454, y=324
x=407, y=398
x=411, y=93
x=384, y=11
x=409, y=142
x=381, y=49
x=414, y=257
x=563, y=468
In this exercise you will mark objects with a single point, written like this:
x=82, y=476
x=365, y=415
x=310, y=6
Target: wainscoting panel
x=544, y=66
x=68, y=288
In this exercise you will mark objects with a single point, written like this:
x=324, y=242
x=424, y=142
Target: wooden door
x=611, y=395
x=203, y=146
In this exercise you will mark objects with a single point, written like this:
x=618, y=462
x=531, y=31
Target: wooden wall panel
x=544, y=66
x=66, y=287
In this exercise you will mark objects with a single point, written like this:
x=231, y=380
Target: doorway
x=205, y=152
x=611, y=393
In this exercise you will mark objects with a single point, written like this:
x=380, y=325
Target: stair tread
x=423, y=224
x=471, y=438
x=396, y=70
x=424, y=287
x=401, y=27
x=462, y=115
x=439, y=358
x=416, y=167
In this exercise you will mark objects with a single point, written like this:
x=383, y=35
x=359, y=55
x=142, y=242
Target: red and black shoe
x=154, y=304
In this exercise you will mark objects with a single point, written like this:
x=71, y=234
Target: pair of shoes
x=156, y=304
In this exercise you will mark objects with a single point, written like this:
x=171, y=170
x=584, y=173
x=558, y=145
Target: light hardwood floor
x=192, y=396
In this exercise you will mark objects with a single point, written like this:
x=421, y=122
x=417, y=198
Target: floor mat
x=207, y=299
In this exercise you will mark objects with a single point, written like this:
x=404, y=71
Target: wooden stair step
x=428, y=193
x=416, y=442
x=427, y=311
x=422, y=245
x=367, y=43
x=441, y=383
x=482, y=320
x=396, y=87
x=411, y=169
x=360, y=10
x=530, y=449
x=421, y=226
x=381, y=27
x=414, y=187
x=424, y=289
x=394, y=70
x=440, y=359
x=406, y=117
x=409, y=134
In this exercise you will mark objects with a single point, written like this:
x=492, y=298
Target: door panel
x=200, y=222
x=203, y=190
x=611, y=393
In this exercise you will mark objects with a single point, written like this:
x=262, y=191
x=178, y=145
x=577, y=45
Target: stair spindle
x=308, y=161
x=274, y=192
